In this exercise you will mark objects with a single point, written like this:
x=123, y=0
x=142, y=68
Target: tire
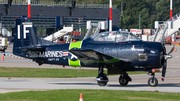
x=123, y=81
x=152, y=83
x=101, y=83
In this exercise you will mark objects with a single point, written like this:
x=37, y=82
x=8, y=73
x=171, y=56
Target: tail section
x=24, y=36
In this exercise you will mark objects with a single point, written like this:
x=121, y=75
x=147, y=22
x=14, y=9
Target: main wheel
x=152, y=83
x=100, y=83
x=123, y=81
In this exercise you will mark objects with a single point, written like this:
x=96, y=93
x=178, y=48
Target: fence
x=59, y=4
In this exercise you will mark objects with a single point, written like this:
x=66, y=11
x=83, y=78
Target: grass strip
x=90, y=95
x=46, y=72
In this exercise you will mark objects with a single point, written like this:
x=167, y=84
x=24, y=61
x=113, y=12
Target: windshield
x=117, y=36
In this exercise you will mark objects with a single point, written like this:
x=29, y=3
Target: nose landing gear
x=152, y=81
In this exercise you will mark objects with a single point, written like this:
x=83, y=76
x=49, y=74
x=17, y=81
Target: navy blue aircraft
x=118, y=51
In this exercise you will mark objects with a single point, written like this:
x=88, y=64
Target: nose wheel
x=152, y=81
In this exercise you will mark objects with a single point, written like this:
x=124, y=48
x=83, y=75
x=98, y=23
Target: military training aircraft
x=118, y=51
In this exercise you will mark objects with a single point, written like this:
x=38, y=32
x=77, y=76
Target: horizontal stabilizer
x=36, y=49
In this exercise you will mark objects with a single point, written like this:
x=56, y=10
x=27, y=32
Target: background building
x=50, y=17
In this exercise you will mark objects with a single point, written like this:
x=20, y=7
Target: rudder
x=24, y=37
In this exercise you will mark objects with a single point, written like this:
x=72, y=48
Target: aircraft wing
x=91, y=56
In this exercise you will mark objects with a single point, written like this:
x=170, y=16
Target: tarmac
x=139, y=82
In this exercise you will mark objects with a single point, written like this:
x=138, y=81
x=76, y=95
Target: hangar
x=48, y=17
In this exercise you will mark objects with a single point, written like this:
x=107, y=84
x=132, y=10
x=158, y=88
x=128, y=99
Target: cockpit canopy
x=117, y=36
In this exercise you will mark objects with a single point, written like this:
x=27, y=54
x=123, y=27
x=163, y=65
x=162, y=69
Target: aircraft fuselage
x=139, y=53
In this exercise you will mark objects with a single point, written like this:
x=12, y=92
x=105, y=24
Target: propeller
x=166, y=56
x=164, y=69
x=171, y=50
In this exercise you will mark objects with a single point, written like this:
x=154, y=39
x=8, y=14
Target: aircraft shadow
x=116, y=85
x=75, y=83
x=146, y=85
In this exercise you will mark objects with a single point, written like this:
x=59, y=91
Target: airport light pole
x=123, y=5
x=171, y=8
x=174, y=35
x=29, y=9
x=110, y=15
x=139, y=20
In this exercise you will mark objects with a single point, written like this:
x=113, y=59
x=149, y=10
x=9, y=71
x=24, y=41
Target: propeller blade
x=166, y=56
x=171, y=50
x=164, y=69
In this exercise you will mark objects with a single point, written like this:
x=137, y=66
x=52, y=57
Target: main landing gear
x=101, y=78
x=124, y=79
x=152, y=81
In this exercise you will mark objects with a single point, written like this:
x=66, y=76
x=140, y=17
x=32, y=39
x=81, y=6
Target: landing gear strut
x=124, y=79
x=152, y=81
x=101, y=78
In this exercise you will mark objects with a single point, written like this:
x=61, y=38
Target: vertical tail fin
x=24, y=36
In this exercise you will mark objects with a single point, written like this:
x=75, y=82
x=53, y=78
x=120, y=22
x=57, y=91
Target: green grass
x=89, y=95
x=44, y=72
